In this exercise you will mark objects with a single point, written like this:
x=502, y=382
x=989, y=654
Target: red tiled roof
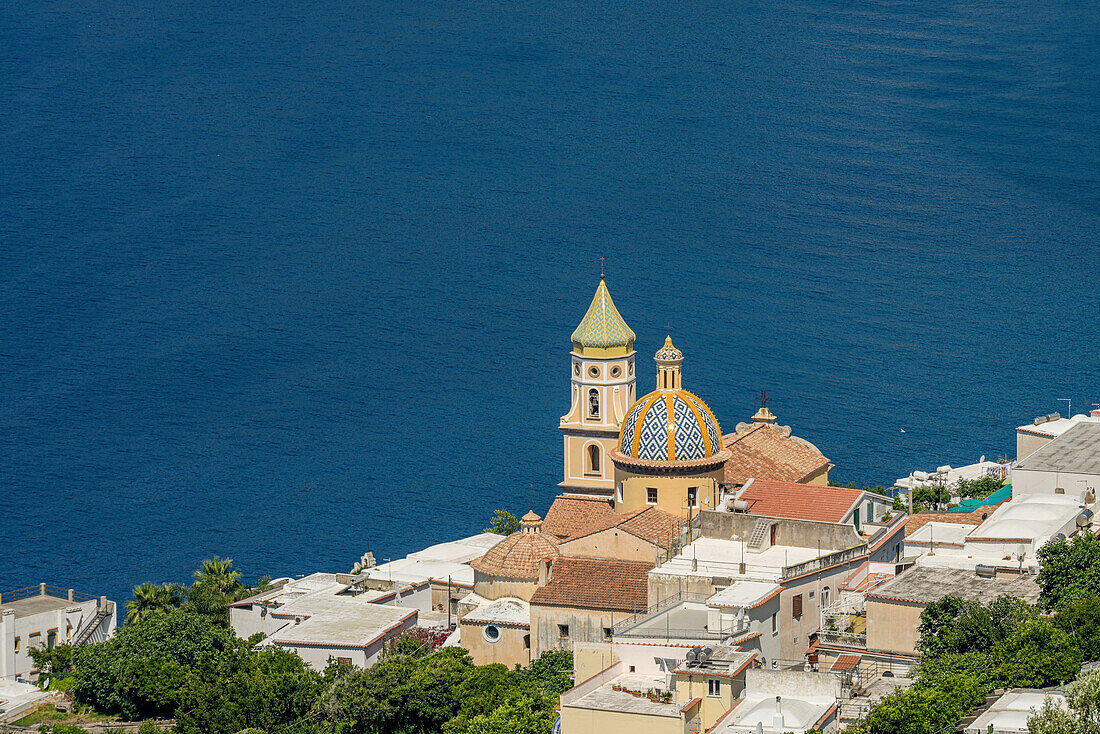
x=518, y=555
x=649, y=523
x=761, y=452
x=800, y=501
x=845, y=662
x=595, y=583
x=570, y=515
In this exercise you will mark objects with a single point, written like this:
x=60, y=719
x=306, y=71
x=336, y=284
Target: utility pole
x=1069, y=406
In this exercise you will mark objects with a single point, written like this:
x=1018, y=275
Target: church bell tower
x=602, y=385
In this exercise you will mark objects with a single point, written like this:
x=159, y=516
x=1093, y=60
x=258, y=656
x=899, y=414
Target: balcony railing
x=851, y=639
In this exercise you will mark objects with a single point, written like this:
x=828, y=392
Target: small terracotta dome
x=518, y=556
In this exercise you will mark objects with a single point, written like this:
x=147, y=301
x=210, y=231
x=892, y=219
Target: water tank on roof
x=1084, y=519
x=985, y=571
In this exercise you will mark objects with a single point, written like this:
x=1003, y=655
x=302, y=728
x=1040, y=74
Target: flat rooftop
x=723, y=660
x=744, y=594
x=436, y=562
x=1030, y=516
x=605, y=698
x=717, y=557
x=925, y=584
x=337, y=619
x=940, y=532
x=1076, y=451
x=32, y=605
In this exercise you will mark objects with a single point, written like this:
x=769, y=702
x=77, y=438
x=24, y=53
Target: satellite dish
x=982, y=460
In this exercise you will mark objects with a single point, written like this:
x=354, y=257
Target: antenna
x=1069, y=406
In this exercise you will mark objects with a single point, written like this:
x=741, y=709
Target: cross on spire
x=602, y=258
x=763, y=399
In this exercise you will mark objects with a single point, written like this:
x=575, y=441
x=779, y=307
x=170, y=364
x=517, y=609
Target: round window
x=593, y=371
x=577, y=369
x=491, y=632
x=630, y=367
x=616, y=371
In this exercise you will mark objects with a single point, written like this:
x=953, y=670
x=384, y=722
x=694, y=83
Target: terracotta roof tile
x=569, y=515
x=649, y=523
x=761, y=452
x=518, y=555
x=800, y=501
x=596, y=583
x=845, y=662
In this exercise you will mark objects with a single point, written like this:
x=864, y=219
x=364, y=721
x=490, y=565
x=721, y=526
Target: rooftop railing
x=44, y=590
x=655, y=609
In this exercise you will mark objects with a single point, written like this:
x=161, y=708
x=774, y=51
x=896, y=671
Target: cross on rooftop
x=602, y=258
x=763, y=399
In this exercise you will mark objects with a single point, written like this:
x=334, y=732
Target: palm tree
x=150, y=599
x=218, y=573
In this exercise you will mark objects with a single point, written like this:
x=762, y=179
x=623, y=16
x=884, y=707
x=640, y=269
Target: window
x=593, y=403
x=491, y=633
x=577, y=369
x=775, y=623
x=527, y=642
x=811, y=594
x=607, y=633
x=651, y=496
x=616, y=371
x=825, y=596
x=796, y=606
x=563, y=630
x=693, y=496
x=631, y=668
x=620, y=491
x=593, y=458
x=343, y=661
x=51, y=639
x=714, y=687
x=593, y=371
x=17, y=644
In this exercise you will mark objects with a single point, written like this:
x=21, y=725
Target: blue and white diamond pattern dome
x=649, y=433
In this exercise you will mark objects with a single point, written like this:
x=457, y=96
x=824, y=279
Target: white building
x=45, y=616
x=437, y=562
x=1010, y=712
x=779, y=701
x=1068, y=464
x=323, y=617
x=1033, y=436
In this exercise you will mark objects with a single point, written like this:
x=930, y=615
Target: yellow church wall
x=672, y=491
x=495, y=588
x=612, y=543
x=591, y=658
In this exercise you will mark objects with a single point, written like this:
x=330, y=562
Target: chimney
x=545, y=575
x=777, y=721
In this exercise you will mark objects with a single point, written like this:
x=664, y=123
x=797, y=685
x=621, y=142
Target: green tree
x=182, y=665
x=57, y=659
x=1081, y=620
x=503, y=523
x=529, y=714
x=1039, y=654
x=1083, y=702
x=218, y=573
x=552, y=671
x=955, y=625
x=977, y=488
x=150, y=599
x=400, y=693
x=1069, y=571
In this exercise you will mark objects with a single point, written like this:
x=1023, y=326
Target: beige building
x=495, y=619
x=669, y=453
x=583, y=599
x=602, y=388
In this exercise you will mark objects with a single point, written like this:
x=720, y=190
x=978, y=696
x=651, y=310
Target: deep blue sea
x=287, y=282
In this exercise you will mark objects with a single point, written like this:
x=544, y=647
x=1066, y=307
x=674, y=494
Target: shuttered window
x=796, y=606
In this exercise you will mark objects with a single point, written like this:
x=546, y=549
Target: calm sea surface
x=287, y=282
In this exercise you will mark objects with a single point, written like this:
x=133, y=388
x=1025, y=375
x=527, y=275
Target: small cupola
x=531, y=522
x=668, y=360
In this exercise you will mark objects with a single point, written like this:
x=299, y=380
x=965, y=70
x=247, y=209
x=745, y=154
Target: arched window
x=593, y=403
x=825, y=597
x=593, y=458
